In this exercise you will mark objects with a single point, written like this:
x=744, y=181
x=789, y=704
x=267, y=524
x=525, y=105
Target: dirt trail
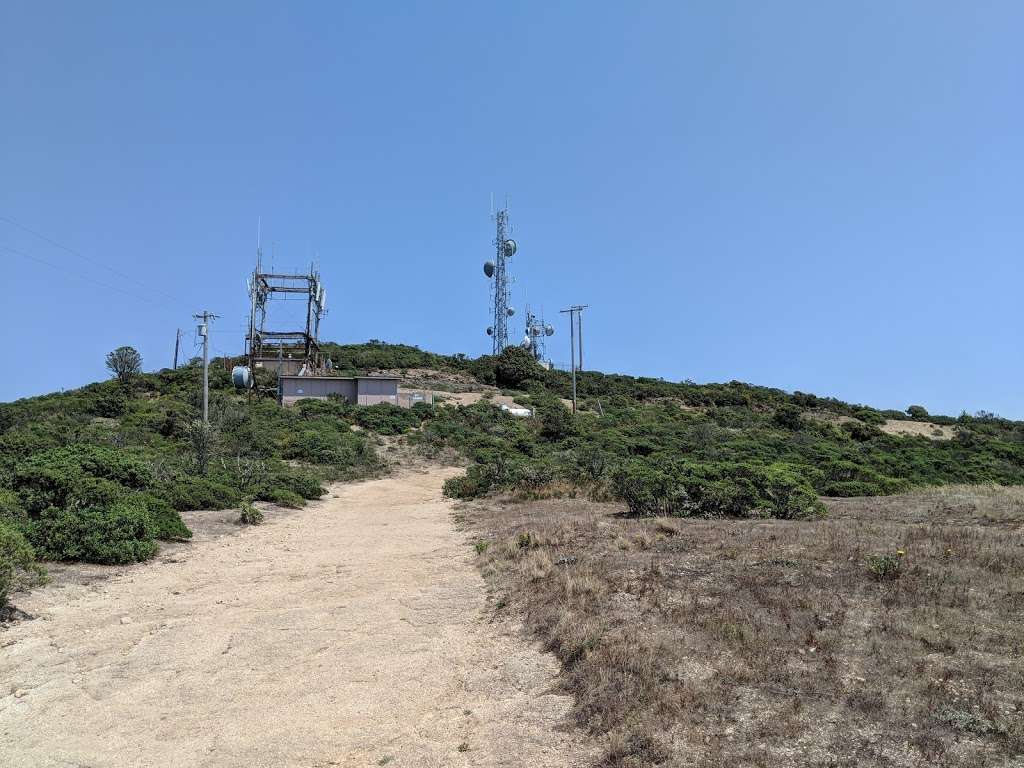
x=352, y=633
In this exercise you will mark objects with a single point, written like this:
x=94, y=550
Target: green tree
x=515, y=368
x=917, y=412
x=125, y=363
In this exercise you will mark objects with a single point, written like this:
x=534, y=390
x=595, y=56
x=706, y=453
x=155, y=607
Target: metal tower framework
x=536, y=331
x=267, y=347
x=505, y=248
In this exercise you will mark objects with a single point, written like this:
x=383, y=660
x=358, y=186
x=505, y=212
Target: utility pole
x=579, y=321
x=177, y=347
x=204, y=331
x=575, y=312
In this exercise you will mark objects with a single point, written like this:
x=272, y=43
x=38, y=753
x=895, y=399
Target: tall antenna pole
x=204, y=331
x=177, y=347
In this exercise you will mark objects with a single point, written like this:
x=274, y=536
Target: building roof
x=338, y=378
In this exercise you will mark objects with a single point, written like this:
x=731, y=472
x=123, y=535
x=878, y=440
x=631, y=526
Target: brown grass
x=770, y=643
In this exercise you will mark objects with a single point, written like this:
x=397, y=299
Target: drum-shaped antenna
x=490, y=331
x=510, y=248
x=489, y=268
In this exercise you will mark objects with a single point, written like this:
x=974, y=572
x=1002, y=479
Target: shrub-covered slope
x=102, y=472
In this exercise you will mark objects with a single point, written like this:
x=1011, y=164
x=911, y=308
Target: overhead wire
x=88, y=259
x=64, y=271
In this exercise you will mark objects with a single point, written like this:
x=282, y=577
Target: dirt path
x=352, y=633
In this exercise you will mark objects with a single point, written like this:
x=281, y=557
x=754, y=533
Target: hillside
x=795, y=617
x=101, y=473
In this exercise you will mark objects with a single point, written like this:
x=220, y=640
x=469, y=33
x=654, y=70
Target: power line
x=64, y=271
x=82, y=256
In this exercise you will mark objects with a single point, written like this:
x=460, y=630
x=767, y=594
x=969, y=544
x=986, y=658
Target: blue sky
x=813, y=196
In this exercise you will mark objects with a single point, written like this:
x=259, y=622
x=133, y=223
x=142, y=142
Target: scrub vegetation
x=101, y=473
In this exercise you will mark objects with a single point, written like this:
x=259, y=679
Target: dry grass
x=771, y=643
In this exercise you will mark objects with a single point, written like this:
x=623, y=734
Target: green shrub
x=515, y=368
x=10, y=506
x=475, y=483
x=556, y=422
x=249, y=515
x=302, y=484
x=188, y=493
x=328, y=443
x=110, y=402
x=17, y=562
x=715, y=490
x=886, y=567
x=285, y=498
x=82, y=474
x=387, y=419
x=167, y=523
x=788, y=417
x=122, y=533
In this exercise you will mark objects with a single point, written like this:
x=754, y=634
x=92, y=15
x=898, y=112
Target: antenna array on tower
x=497, y=271
x=284, y=350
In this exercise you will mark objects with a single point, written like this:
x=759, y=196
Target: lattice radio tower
x=497, y=270
x=270, y=348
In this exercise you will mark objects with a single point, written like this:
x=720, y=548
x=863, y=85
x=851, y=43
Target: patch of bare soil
x=919, y=429
x=353, y=632
x=885, y=635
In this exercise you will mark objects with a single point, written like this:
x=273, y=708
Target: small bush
x=17, y=562
x=477, y=481
x=167, y=523
x=122, y=533
x=189, y=493
x=249, y=515
x=110, y=402
x=715, y=490
x=10, y=506
x=886, y=567
x=285, y=498
x=300, y=483
x=387, y=419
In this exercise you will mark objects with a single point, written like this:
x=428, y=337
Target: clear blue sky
x=815, y=196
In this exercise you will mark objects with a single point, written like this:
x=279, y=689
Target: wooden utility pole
x=177, y=347
x=204, y=331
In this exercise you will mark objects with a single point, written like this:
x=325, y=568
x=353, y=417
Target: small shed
x=358, y=390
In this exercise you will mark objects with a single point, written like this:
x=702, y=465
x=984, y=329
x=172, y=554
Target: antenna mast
x=497, y=270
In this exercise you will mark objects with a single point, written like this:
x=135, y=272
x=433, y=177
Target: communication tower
x=536, y=332
x=285, y=350
x=497, y=270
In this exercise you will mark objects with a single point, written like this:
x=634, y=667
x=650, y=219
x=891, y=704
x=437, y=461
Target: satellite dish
x=490, y=331
x=510, y=248
x=510, y=311
x=549, y=331
x=489, y=268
